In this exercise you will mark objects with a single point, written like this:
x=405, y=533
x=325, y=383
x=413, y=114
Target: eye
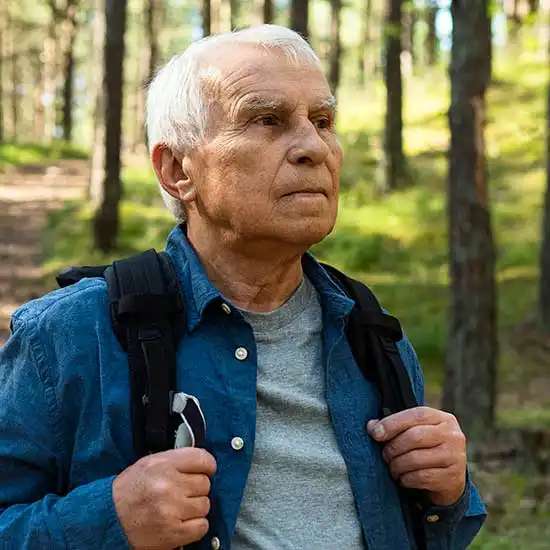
x=323, y=123
x=268, y=120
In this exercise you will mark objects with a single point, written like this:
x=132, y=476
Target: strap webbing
x=145, y=306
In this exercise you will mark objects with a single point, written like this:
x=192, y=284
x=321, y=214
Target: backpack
x=147, y=311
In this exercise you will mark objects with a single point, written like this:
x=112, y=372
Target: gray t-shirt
x=298, y=493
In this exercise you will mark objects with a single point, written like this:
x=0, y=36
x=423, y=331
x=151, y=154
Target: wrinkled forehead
x=241, y=70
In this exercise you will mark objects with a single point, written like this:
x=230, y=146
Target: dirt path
x=27, y=194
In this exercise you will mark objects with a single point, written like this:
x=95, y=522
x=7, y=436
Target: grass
x=20, y=154
x=398, y=243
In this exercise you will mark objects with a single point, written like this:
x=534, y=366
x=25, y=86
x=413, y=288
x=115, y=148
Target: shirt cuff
x=89, y=519
x=449, y=515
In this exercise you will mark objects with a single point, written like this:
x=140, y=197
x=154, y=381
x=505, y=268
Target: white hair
x=177, y=113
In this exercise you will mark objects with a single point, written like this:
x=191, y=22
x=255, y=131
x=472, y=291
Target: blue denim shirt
x=65, y=429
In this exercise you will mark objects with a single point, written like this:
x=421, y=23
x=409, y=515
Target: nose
x=308, y=147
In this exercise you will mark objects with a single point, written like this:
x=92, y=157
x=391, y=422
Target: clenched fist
x=424, y=449
x=162, y=500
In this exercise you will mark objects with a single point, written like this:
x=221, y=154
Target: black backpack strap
x=372, y=335
x=148, y=317
x=72, y=275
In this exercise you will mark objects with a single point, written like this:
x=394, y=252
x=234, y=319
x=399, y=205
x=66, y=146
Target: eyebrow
x=258, y=103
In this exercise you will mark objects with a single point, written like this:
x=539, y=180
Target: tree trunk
x=534, y=6
x=152, y=31
x=107, y=217
x=432, y=45
x=50, y=79
x=269, y=12
x=409, y=28
x=148, y=62
x=299, y=17
x=12, y=25
x=364, y=46
x=2, y=55
x=394, y=158
x=206, y=18
x=233, y=14
x=471, y=359
x=544, y=283
x=95, y=187
x=335, y=46
x=67, y=47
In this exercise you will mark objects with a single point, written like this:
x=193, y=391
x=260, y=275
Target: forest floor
x=28, y=193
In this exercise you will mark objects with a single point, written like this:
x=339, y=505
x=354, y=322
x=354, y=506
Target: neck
x=251, y=276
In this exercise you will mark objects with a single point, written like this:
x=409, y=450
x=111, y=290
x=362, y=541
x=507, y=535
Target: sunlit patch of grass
x=18, y=154
x=536, y=416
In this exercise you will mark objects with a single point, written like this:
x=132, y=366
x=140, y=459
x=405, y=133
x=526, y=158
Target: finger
x=195, y=508
x=192, y=530
x=397, y=423
x=431, y=479
x=195, y=485
x=417, y=437
x=190, y=460
x=422, y=459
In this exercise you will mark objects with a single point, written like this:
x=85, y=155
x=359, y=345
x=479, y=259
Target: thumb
x=371, y=424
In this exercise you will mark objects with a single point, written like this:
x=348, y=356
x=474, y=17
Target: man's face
x=269, y=170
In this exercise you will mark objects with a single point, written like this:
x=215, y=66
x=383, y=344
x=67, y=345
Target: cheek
x=335, y=161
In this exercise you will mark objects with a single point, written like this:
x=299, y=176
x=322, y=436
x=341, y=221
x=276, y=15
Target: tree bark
x=106, y=220
x=410, y=18
x=3, y=17
x=364, y=54
x=299, y=17
x=206, y=18
x=53, y=113
x=471, y=358
x=233, y=14
x=335, y=45
x=67, y=47
x=12, y=25
x=534, y=6
x=432, y=45
x=394, y=157
x=544, y=282
x=95, y=187
x=148, y=62
x=268, y=12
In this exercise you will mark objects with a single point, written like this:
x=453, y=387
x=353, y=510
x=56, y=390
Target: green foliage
x=20, y=154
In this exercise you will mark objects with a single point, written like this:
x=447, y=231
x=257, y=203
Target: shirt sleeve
x=36, y=511
x=446, y=527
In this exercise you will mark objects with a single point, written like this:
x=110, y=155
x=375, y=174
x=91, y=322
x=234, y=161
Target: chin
x=306, y=233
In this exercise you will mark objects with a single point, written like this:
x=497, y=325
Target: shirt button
x=432, y=518
x=226, y=308
x=237, y=443
x=215, y=543
x=241, y=354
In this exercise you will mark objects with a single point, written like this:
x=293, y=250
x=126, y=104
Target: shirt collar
x=199, y=292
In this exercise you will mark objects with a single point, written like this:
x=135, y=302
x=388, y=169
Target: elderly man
x=244, y=147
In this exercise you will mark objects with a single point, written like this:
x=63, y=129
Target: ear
x=173, y=172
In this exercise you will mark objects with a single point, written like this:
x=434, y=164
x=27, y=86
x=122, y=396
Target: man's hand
x=424, y=449
x=162, y=500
